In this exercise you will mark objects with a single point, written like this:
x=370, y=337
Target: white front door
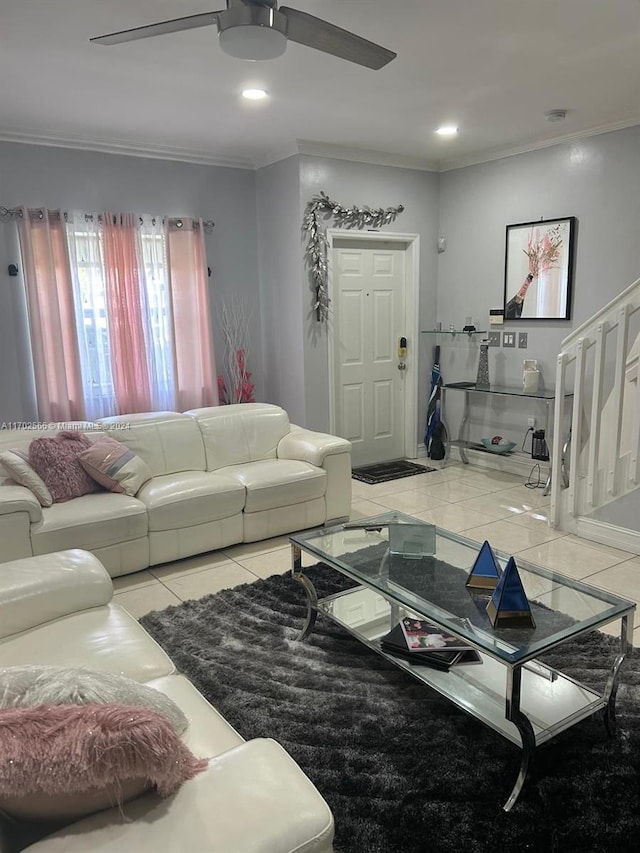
x=369, y=311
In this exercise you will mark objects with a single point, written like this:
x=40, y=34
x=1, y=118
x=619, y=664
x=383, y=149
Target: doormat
x=384, y=471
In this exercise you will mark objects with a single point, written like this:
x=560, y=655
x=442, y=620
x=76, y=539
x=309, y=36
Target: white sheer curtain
x=86, y=249
x=92, y=322
x=159, y=323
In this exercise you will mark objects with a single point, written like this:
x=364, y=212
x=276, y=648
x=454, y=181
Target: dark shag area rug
x=401, y=768
x=382, y=472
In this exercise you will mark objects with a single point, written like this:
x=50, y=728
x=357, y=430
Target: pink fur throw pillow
x=56, y=461
x=62, y=762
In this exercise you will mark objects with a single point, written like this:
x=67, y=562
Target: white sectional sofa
x=252, y=798
x=221, y=475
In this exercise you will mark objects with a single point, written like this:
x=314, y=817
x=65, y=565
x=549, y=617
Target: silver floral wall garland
x=316, y=251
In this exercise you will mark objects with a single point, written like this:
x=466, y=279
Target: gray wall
x=363, y=184
x=281, y=295
x=256, y=249
x=58, y=177
x=595, y=179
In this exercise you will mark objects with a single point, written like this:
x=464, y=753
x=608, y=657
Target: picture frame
x=538, y=269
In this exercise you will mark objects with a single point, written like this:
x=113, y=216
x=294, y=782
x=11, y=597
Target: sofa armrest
x=35, y=590
x=252, y=798
x=312, y=447
x=19, y=499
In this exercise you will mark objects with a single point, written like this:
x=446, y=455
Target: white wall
x=596, y=180
x=59, y=177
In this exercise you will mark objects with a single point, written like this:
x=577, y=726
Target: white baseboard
x=609, y=534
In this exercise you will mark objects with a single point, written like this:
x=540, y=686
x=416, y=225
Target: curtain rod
x=9, y=213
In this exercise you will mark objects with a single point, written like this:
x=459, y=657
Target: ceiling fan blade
x=321, y=35
x=174, y=26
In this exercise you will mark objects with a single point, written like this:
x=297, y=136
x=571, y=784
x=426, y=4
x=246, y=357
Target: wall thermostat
x=496, y=316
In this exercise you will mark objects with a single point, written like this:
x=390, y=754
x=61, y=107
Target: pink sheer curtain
x=49, y=286
x=196, y=383
x=124, y=281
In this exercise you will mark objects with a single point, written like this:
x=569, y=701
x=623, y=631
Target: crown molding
x=129, y=149
x=300, y=146
x=277, y=155
x=500, y=153
x=363, y=155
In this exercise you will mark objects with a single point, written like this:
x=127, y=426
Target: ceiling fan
x=257, y=29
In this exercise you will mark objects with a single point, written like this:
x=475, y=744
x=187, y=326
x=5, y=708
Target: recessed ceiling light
x=254, y=94
x=447, y=130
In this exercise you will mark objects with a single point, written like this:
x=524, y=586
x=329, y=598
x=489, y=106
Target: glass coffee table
x=511, y=691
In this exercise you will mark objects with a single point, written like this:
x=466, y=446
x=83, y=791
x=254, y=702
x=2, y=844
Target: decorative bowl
x=503, y=447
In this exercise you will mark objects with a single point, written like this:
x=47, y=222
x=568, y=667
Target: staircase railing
x=598, y=471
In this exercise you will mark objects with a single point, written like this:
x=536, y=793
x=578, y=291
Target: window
x=115, y=327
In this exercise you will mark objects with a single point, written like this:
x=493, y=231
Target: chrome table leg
x=521, y=721
x=611, y=689
x=312, y=596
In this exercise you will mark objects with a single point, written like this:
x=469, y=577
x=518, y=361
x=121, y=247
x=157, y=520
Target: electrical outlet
x=531, y=422
x=508, y=339
x=494, y=339
x=523, y=339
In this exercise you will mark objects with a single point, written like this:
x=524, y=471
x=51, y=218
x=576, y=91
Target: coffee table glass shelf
x=511, y=691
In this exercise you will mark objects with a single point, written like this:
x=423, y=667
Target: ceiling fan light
x=253, y=43
x=252, y=32
x=447, y=130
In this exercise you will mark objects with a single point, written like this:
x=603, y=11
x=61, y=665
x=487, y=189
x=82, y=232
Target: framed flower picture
x=538, y=269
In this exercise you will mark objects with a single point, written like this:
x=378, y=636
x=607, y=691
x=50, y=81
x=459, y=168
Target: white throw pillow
x=17, y=465
x=27, y=686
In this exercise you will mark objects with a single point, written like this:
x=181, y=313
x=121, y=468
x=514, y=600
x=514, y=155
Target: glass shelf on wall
x=452, y=332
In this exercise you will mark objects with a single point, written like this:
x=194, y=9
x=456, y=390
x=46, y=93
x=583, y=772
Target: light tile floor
x=461, y=498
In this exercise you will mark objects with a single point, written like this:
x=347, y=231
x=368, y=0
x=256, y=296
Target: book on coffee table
x=395, y=643
x=438, y=658
x=421, y=635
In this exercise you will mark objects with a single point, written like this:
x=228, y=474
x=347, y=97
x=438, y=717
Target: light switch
x=523, y=339
x=494, y=339
x=508, y=339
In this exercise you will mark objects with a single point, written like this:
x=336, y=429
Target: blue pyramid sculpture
x=485, y=572
x=509, y=606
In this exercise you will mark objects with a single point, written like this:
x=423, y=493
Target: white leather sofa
x=221, y=475
x=253, y=798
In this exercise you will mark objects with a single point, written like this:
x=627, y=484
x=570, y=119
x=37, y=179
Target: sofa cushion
x=27, y=686
x=39, y=589
x=167, y=441
x=92, y=521
x=240, y=433
x=115, y=466
x=277, y=482
x=61, y=762
x=251, y=799
x=55, y=460
x=190, y=498
x=208, y=732
x=103, y=638
x=16, y=463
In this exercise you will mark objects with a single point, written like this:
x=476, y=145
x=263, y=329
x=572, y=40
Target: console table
x=463, y=442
